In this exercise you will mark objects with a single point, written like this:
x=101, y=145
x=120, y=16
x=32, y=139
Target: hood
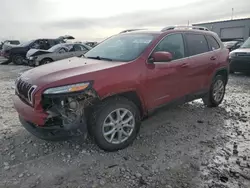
x=241, y=50
x=33, y=52
x=66, y=70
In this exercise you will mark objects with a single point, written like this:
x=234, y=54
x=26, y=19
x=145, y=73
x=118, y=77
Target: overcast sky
x=97, y=19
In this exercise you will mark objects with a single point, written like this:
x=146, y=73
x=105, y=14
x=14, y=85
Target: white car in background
x=38, y=57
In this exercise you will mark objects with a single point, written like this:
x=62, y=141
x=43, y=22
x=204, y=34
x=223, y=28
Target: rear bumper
x=28, y=113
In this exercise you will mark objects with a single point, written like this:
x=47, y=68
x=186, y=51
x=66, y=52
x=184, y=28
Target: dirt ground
x=187, y=146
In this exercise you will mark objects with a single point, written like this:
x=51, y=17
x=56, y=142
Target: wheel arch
x=45, y=59
x=132, y=96
x=223, y=72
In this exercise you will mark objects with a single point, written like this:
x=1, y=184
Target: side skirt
x=179, y=101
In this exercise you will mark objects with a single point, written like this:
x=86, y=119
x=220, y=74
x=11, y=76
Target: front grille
x=25, y=90
x=243, y=54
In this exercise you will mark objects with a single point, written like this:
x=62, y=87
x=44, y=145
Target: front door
x=167, y=81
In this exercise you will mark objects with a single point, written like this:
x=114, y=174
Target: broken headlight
x=67, y=89
x=32, y=58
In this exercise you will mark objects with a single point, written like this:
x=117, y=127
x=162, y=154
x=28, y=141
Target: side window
x=79, y=47
x=53, y=42
x=173, y=44
x=46, y=44
x=62, y=50
x=36, y=44
x=72, y=48
x=214, y=45
x=84, y=48
x=197, y=44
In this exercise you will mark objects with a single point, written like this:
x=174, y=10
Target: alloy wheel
x=218, y=90
x=118, y=126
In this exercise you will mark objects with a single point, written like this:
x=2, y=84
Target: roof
x=143, y=32
x=170, y=31
x=222, y=21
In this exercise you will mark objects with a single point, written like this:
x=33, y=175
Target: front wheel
x=18, y=60
x=116, y=124
x=46, y=61
x=216, y=93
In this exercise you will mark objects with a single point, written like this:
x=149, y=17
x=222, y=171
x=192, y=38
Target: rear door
x=201, y=61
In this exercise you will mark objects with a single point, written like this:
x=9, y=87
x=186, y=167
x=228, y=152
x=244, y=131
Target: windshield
x=246, y=44
x=27, y=43
x=121, y=47
x=55, y=48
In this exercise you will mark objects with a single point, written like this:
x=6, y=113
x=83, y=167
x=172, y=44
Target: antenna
x=232, y=14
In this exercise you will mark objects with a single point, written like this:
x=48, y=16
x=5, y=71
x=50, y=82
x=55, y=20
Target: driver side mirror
x=160, y=57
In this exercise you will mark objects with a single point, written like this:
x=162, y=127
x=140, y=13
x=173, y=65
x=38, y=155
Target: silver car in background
x=38, y=57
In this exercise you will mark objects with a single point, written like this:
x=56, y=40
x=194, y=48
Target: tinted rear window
x=197, y=44
x=213, y=44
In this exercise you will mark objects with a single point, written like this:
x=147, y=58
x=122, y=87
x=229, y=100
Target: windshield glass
x=27, y=43
x=246, y=44
x=121, y=47
x=55, y=48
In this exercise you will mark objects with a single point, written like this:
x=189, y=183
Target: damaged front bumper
x=67, y=111
x=28, y=113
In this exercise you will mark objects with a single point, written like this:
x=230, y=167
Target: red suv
x=119, y=82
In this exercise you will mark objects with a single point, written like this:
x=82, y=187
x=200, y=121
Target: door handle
x=213, y=58
x=184, y=65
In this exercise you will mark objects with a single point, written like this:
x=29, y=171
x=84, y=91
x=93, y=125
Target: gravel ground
x=179, y=147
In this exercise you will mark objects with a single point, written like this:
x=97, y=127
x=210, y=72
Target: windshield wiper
x=100, y=58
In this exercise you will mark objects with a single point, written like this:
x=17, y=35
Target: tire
x=210, y=99
x=101, y=114
x=45, y=61
x=231, y=72
x=17, y=60
x=43, y=134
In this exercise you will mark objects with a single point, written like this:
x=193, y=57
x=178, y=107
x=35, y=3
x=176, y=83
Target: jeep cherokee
x=119, y=82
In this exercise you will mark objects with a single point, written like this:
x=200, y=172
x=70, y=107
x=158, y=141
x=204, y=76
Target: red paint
x=155, y=84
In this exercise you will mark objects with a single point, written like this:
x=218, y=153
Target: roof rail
x=130, y=30
x=184, y=27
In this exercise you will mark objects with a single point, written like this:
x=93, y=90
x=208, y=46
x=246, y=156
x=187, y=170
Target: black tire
x=45, y=61
x=209, y=100
x=231, y=71
x=48, y=135
x=101, y=112
x=17, y=60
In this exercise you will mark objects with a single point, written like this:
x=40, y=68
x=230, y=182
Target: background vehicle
x=92, y=44
x=240, y=58
x=120, y=81
x=232, y=45
x=11, y=42
x=17, y=54
x=60, y=51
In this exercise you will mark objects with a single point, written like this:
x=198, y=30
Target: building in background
x=229, y=29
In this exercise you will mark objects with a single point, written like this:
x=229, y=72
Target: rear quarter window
x=213, y=43
x=197, y=44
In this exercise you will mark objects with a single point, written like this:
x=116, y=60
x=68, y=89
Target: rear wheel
x=216, y=93
x=46, y=61
x=116, y=123
x=45, y=134
x=18, y=60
